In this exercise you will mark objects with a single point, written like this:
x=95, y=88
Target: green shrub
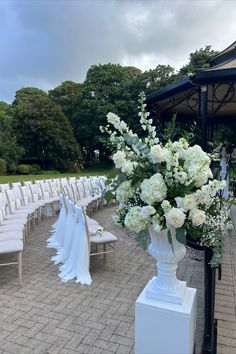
x=23, y=169
x=3, y=167
x=35, y=168
x=12, y=168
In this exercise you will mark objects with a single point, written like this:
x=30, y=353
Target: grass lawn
x=44, y=175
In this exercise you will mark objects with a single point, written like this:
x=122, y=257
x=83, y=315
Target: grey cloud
x=43, y=43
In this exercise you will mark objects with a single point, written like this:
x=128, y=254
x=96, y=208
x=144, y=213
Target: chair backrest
x=4, y=187
x=19, y=202
x=80, y=189
x=87, y=187
x=28, y=184
x=72, y=180
x=45, y=190
x=11, y=199
x=54, y=187
x=75, y=192
x=36, y=192
x=86, y=228
x=3, y=204
x=64, y=182
x=16, y=184
x=69, y=193
x=26, y=195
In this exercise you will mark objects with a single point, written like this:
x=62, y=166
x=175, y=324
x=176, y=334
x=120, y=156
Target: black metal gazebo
x=207, y=97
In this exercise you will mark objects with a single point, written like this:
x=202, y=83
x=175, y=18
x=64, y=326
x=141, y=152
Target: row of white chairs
x=76, y=237
x=22, y=206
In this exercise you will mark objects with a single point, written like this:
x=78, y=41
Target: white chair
x=4, y=187
x=14, y=245
x=106, y=240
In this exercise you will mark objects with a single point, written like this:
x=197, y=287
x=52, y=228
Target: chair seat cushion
x=11, y=227
x=104, y=238
x=11, y=246
x=11, y=235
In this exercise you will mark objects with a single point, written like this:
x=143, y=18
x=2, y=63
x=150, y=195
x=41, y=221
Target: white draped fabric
x=76, y=264
x=56, y=239
x=62, y=252
x=71, y=242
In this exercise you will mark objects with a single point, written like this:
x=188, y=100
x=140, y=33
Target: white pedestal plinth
x=165, y=328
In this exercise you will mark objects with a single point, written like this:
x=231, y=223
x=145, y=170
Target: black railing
x=209, y=343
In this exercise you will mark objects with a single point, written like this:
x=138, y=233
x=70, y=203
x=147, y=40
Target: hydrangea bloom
x=153, y=189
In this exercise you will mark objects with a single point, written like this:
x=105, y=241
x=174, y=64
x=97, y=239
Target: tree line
x=59, y=130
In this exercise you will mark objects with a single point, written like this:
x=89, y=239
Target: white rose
x=175, y=217
x=201, y=179
x=119, y=158
x=189, y=202
x=198, y=217
x=156, y=154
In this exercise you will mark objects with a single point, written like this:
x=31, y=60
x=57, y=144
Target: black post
x=204, y=97
x=210, y=328
x=210, y=325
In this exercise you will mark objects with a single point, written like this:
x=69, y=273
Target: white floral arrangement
x=100, y=230
x=165, y=185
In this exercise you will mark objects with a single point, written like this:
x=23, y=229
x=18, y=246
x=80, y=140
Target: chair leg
x=20, y=267
x=114, y=257
x=104, y=255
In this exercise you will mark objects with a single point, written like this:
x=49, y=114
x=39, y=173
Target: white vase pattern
x=165, y=286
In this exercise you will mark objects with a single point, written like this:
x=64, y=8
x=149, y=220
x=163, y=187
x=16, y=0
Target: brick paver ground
x=225, y=311
x=48, y=316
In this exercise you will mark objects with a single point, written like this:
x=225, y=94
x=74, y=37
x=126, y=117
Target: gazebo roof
x=182, y=97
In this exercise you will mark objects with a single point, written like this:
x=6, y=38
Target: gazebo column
x=204, y=99
x=209, y=340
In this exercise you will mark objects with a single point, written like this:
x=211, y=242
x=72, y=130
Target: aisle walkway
x=225, y=310
x=49, y=317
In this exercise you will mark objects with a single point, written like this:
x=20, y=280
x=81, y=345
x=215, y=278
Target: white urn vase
x=165, y=286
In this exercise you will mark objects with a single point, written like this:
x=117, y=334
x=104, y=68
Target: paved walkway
x=225, y=310
x=47, y=316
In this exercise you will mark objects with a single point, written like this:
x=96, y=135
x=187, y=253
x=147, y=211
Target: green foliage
x=35, y=169
x=3, y=167
x=23, y=169
x=44, y=131
x=181, y=235
x=143, y=239
x=197, y=60
x=155, y=79
x=9, y=149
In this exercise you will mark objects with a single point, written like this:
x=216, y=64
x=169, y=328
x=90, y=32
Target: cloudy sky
x=45, y=42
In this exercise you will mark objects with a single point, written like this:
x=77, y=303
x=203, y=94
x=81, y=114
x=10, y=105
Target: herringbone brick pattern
x=48, y=316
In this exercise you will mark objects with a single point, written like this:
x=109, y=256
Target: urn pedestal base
x=176, y=296
x=165, y=327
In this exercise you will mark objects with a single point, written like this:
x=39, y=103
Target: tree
x=66, y=96
x=197, y=60
x=44, y=131
x=9, y=149
x=107, y=88
x=155, y=79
